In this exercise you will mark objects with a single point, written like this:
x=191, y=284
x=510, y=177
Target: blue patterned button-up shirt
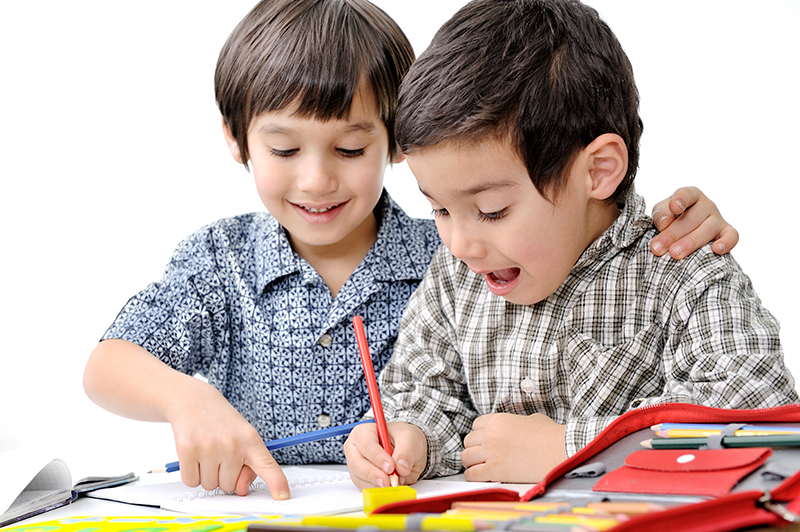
x=239, y=307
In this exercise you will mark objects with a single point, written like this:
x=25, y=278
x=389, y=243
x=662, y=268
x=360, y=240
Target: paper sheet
x=314, y=491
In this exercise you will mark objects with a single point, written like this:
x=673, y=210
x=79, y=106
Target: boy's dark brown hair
x=315, y=52
x=547, y=74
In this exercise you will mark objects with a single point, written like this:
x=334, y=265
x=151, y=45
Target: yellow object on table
x=142, y=523
x=377, y=497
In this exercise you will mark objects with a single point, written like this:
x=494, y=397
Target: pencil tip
x=648, y=444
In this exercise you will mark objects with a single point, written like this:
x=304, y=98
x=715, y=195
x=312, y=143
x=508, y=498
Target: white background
x=111, y=152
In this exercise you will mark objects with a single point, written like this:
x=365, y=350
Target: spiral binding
x=260, y=485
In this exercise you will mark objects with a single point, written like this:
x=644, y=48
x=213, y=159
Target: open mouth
x=502, y=277
x=502, y=282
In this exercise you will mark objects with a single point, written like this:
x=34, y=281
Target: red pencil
x=372, y=386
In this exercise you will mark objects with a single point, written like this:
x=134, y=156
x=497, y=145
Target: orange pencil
x=627, y=508
x=372, y=387
x=532, y=506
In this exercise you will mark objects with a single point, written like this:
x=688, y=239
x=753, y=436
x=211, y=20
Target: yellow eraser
x=377, y=497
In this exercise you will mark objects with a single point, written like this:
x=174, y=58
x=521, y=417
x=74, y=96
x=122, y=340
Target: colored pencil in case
x=627, y=508
x=720, y=426
x=598, y=523
x=610, y=507
x=539, y=506
x=289, y=441
x=391, y=521
x=775, y=440
x=701, y=433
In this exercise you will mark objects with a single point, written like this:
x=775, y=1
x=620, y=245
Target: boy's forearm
x=424, y=371
x=125, y=379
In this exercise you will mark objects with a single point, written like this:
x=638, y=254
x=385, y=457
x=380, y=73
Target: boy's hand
x=512, y=448
x=370, y=465
x=688, y=220
x=217, y=447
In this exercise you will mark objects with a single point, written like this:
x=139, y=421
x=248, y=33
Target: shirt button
x=326, y=340
x=527, y=385
x=324, y=420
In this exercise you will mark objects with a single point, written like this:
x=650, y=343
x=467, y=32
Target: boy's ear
x=608, y=164
x=399, y=158
x=231, y=142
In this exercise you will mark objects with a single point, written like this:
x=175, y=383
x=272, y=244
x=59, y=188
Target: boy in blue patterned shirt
x=545, y=316
x=261, y=304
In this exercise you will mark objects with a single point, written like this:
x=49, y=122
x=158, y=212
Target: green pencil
x=773, y=440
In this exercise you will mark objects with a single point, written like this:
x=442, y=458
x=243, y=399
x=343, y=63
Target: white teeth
x=317, y=211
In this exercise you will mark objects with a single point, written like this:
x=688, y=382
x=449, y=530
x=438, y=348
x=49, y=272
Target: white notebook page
x=314, y=491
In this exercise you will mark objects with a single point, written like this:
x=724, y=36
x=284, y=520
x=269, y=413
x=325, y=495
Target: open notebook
x=34, y=482
x=314, y=491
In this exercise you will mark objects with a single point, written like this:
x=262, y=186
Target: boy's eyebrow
x=369, y=127
x=278, y=129
x=477, y=189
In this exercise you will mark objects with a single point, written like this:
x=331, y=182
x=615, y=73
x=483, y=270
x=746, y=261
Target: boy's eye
x=492, y=216
x=283, y=153
x=439, y=212
x=351, y=153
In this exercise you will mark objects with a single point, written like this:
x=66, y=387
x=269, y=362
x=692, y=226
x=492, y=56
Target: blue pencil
x=289, y=441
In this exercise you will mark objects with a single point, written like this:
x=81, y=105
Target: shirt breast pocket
x=605, y=380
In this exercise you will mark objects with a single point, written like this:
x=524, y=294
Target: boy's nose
x=316, y=177
x=465, y=243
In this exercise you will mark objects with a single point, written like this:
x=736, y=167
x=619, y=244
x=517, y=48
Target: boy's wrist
x=187, y=396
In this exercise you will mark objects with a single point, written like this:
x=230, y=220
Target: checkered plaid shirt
x=624, y=330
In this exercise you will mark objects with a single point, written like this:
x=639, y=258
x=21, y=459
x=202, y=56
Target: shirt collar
x=631, y=224
x=399, y=252
x=275, y=256
x=391, y=257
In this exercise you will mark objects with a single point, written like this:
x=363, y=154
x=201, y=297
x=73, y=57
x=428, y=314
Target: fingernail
x=681, y=205
x=720, y=248
x=283, y=495
x=660, y=222
x=678, y=250
x=402, y=463
x=388, y=468
x=658, y=247
x=379, y=482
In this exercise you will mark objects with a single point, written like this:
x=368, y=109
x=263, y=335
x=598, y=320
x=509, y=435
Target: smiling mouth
x=319, y=211
x=504, y=276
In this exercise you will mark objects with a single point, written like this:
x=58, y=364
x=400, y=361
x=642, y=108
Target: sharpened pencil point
x=647, y=444
x=158, y=470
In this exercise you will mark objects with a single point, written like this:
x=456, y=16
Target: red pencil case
x=777, y=506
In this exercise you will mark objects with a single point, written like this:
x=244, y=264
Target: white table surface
x=87, y=506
